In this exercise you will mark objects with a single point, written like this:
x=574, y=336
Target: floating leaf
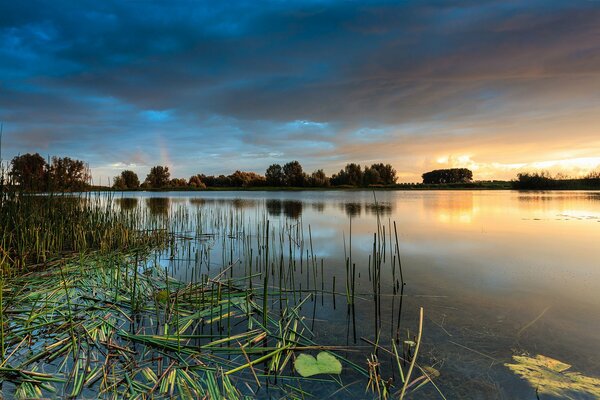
x=549, y=376
x=325, y=363
x=431, y=372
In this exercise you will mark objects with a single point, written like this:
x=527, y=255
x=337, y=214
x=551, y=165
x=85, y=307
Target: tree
x=274, y=175
x=178, y=183
x=387, y=173
x=244, y=179
x=319, y=179
x=351, y=175
x=30, y=172
x=127, y=180
x=68, y=174
x=371, y=176
x=293, y=174
x=158, y=177
x=535, y=180
x=196, y=182
x=451, y=175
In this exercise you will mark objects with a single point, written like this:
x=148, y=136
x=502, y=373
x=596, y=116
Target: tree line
x=290, y=174
x=545, y=181
x=31, y=172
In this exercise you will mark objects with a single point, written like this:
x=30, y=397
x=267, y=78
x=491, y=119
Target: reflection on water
x=289, y=208
x=158, y=205
x=127, y=203
x=498, y=273
x=355, y=209
x=318, y=206
x=449, y=208
x=352, y=209
x=383, y=209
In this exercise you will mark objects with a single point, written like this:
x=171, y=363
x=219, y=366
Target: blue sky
x=211, y=87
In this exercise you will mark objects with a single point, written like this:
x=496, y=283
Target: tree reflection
x=158, y=205
x=290, y=208
x=127, y=203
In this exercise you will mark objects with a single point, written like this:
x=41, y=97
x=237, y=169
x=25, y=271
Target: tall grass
x=37, y=229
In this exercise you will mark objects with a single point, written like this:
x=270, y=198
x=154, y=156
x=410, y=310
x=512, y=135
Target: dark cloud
x=198, y=84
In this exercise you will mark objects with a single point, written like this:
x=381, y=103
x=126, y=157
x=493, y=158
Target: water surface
x=498, y=273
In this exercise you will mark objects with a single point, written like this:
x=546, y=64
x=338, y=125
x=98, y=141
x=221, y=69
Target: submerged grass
x=73, y=331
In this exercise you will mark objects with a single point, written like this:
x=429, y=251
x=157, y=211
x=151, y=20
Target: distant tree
x=351, y=175
x=371, y=176
x=30, y=172
x=354, y=174
x=535, y=180
x=178, y=183
x=294, y=176
x=67, y=174
x=222, y=181
x=319, y=179
x=196, y=182
x=387, y=173
x=119, y=183
x=274, y=175
x=127, y=180
x=158, y=177
x=244, y=179
x=451, y=175
x=593, y=176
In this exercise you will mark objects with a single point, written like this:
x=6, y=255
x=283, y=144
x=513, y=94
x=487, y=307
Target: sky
x=500, y=87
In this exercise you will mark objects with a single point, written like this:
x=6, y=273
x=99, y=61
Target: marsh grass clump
x=38, y=229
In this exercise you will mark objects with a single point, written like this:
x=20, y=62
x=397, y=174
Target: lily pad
x=325, y=363
x=550, y=376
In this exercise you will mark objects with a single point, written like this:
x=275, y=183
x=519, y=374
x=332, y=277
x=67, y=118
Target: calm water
x=498, y=273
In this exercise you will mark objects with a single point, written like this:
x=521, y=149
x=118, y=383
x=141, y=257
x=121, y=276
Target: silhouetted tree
x=30, y=172
x=535, y=180
x=319, y=179
x=274, y=175
x=68, y=174
x=351, y=175
x=371, y=177
x=294, y=176
x=593, y=178
x=127, y=180
x=451, y=175
x=158, y=177
x=386, y=173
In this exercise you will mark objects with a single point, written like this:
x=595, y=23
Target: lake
x=498, y=273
